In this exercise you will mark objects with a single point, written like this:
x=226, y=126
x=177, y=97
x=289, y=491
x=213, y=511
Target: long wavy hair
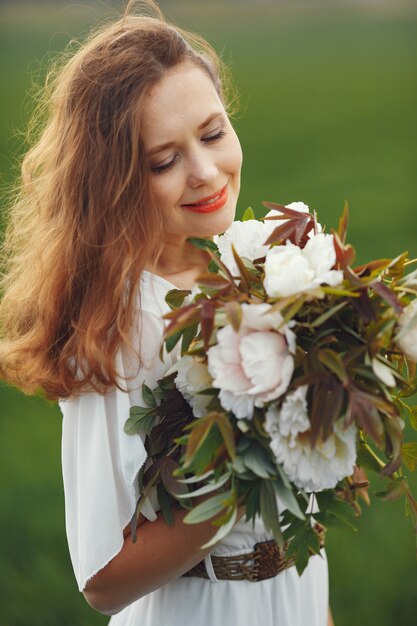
x=83, y=224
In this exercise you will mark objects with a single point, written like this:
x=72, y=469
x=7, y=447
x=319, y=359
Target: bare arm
x=330, y=621
x=160, y=554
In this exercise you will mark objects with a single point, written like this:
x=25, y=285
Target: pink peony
x=254, y=365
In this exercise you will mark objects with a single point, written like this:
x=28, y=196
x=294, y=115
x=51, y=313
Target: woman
x=138, y=155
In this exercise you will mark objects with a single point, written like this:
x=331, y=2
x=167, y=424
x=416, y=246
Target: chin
x=220, y=222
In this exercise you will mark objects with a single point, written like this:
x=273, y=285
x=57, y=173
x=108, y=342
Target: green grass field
x=328, y=102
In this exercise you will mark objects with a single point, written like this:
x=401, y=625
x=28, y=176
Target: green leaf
x=196, y=479
x=187, y=337
x=207, y=509
x=367, y=458
x=199, y=431
x=287, y=497
x=269, y=511
x=213, y=268
x=203, y=244
x=165, y=502
x=148, y=396
x=248, y=214
x=257, y=460
x=205, y=452
x=253, y=501
x=307, y=545
x=299, y=549
x=139, y=421
x=172, y=340
x=224, y=529
x=331, y=521
x=409, y=454
x=176, y=297
x=330, y=503
x=147, y=423
x=139, y=505
x=208, y=487
x=394, y=490
x=328, y=314
x=413, y=417
x=138, y=411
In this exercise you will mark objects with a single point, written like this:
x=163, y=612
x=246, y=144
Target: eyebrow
x=169, y=144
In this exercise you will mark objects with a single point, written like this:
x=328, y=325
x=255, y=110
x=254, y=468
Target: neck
x=180, y=258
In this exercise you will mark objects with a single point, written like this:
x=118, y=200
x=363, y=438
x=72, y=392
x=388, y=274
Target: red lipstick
x=212, y=203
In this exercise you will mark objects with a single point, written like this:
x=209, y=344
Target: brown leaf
x=388, y=295
x=226, y=431
x=372, y=266
x=331, y=359
x=286, y=212
x=213, y=281
x=301, y=229
x=361, y=484
x=199, y=431
x=167, y=466
x=234, y=314
x=207, y=321
x=188, y=318
x=221, y=265
x=361, y=409
x=345, y=254
x=280, y=234
x=363, y=306
x=343, y=223
x=326, y=404
x=242, y=269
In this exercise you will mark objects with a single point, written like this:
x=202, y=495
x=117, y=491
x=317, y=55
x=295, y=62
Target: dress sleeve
x=101, y=462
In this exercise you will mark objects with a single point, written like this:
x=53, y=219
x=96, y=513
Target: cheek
x=235, y=155
x=164, y=191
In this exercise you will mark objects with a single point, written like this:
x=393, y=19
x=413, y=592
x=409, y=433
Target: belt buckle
x=268, y=560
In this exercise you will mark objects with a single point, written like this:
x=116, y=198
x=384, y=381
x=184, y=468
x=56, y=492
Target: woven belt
x=265, y=561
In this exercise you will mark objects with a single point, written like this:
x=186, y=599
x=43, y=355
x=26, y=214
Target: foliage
x=348, y=357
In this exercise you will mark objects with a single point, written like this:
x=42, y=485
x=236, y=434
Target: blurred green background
x=328, y=112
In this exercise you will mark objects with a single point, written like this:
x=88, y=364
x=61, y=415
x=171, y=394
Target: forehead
x=181, y=100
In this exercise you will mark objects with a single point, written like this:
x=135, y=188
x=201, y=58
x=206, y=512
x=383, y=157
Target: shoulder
x=152, y=292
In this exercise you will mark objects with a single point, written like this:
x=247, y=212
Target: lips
x=212, y=203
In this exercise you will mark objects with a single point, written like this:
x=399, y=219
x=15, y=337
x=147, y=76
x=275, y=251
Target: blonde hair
x=83, y=224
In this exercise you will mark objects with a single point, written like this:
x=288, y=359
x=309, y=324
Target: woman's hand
x=161, y=553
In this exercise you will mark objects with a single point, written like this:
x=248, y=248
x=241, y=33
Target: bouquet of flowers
x=293, y=370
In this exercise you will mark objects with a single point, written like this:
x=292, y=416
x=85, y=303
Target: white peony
x=192, y=378
x=311, y=469
x=407, y=337
x=248, y=239
x=254, y=365
x=290, y=269
x=295, y=206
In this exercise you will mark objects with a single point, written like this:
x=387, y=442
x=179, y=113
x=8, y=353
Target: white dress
x=100, y=467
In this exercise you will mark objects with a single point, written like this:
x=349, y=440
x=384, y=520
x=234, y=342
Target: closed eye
x=160, y=169
x=215, y=137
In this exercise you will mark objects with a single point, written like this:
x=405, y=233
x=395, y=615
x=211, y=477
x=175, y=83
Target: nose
x=202, y=169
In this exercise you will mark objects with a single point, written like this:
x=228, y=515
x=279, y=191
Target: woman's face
x=194, y=154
